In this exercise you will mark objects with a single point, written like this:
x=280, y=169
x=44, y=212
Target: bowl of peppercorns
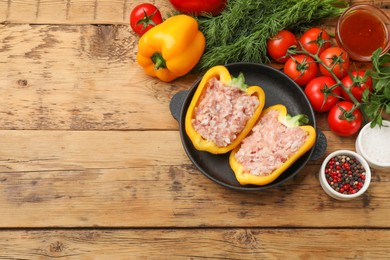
x=345, y=175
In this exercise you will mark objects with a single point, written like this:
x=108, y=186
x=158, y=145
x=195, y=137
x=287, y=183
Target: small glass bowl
x=335, y=194
x=376, y=12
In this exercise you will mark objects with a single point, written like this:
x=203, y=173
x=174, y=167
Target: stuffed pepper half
x=222, y=111
x=276, y=141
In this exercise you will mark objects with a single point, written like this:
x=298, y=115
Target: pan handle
x=177, y=103
x=319, y=146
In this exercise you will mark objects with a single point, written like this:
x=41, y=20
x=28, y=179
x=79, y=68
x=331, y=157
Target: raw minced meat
x=269, y=145
x=223, y=112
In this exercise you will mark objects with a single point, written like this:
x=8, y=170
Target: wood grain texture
x=111, y=178
x=94, y=11
x=92, y=166
x=196, y=244
x=73, y=11
x=72, y=77
x=82, y=78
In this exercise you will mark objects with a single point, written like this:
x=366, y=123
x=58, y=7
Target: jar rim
x=375, y=11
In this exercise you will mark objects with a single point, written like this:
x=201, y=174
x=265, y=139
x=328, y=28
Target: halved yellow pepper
x=223, y=75
x=244, y=177
x=171, y=49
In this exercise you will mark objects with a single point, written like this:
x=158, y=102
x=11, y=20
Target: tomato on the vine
x=144, y=17
x=278, y=45
x=301, y=68
x=199, y=7
x=312, y=39
x=357, y=85
x=335, y=59
x=342, y=121
x=323, y=93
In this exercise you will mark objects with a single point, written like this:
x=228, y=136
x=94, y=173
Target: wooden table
x=92, y=165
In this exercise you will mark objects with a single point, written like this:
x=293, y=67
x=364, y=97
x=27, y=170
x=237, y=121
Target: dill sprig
x=240, y=33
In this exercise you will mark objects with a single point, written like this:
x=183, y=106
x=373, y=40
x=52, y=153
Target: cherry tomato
x=313, y=38
x=144, y=17
x=342, y=122
x=199, y=7
x=301, y=68
x=323, y=93
x=357, y=85
x=337, y=60
x=278, y=45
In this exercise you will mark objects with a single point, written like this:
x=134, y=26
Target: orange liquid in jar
x=362, y=32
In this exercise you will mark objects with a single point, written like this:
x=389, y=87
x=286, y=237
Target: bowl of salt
x=374, y=145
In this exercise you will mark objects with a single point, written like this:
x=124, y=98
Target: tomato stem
x=328, y=91
x=147, y=20
x=337, y=59
x=347, y=114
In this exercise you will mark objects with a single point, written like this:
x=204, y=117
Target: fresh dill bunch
x=241, y=31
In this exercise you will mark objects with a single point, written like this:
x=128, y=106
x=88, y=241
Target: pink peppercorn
x=345, y=174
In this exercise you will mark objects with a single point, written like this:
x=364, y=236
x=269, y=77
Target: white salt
x=376, y=143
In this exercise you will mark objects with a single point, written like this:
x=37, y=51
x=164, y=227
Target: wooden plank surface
x=109, y=179
x=73, y=11
x=195, y=244
x=72, y=77
x=94, y=11
x=92, y=166
x=82, y=78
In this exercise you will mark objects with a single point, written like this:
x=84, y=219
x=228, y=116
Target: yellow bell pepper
x=171, y=49
x=244, y=177
x=223, y=75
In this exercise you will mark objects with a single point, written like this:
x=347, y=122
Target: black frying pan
x=279, y=89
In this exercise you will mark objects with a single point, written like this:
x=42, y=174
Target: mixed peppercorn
x=345, y=174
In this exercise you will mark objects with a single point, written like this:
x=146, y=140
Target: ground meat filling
x=269, y=145
x=223, y=112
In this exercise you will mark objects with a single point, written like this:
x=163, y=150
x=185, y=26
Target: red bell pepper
x=199, y=7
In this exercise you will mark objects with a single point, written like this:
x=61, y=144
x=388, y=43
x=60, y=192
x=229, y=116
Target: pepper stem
x=158, y=60
x=297, y=120
x=239, y=82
